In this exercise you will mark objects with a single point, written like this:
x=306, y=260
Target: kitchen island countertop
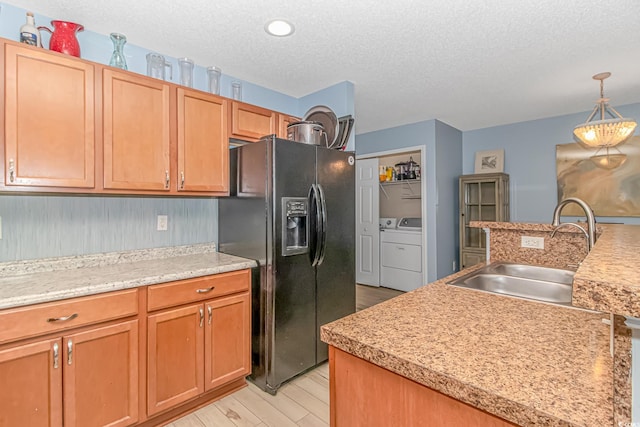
x=527, y=362
x=44, y=280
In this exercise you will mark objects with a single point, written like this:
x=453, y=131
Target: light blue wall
x=410, y=135
x=448, y=169
x=443, y=147
x=49, y=226
x=530, y=160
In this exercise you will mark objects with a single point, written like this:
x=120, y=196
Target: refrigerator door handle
x=314, y=205
x=323, y=225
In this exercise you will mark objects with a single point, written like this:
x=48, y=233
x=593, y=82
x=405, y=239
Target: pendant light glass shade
x=606, y=132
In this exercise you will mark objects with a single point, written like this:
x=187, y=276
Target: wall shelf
x=413, y=185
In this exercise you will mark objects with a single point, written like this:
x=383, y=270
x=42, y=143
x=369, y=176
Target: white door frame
x=423, y=192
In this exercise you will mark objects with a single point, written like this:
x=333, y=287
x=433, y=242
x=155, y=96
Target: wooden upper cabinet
x=285, y=120
x=49, y=119
x=203, y=142
x=250, y=123
x=136, y=136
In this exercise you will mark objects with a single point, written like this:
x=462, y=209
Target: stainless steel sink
x=519, y=280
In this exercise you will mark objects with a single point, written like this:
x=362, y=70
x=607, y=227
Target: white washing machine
x=401, y=255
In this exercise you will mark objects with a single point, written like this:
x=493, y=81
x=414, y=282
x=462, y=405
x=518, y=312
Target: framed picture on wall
x=489, y=161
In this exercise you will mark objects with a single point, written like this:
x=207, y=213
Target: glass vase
x=117, y=58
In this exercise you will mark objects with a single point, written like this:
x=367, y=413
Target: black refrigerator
x=292, y=209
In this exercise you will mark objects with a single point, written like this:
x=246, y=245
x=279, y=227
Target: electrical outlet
x=453, y=267
x=0, y=228
x=163, y=222
x=532, y=242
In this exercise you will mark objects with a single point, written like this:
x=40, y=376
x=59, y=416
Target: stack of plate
x=337, y=130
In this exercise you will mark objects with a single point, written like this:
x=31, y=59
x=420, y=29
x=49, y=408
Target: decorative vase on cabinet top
x=63, y=37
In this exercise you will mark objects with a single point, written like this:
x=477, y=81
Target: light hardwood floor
x=303, y=402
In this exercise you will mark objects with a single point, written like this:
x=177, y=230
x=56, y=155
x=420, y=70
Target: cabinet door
x=101, y=376
x=251, y=123
x=227, y=340
x=31, y=391
x=175, y=357
x=136, y=132
x=367, y=219
x=284, y=121
x=203, y=145
x=49, y=119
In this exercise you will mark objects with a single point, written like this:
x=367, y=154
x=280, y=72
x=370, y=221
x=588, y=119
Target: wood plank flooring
x=303, y=402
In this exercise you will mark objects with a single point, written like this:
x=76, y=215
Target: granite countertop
x=530, y=363
x=608, y=278
x=51, y=279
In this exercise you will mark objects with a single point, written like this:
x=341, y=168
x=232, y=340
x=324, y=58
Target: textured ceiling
x=471, y=64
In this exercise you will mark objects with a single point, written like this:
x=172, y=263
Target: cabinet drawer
x=198, y=289
x=406, y=257
x=24, y=322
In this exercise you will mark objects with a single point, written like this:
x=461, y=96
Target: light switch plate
x=532, y=242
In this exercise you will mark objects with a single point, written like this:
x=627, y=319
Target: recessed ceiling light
x=279, y=28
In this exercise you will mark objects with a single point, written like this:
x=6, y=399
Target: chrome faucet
x=591, y=220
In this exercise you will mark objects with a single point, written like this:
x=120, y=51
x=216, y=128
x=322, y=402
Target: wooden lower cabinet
x=364, y=394
x=189, y=341
x=88, y=379
x=227, y=340
x=210, y=342
x=175, y=357
x=100, y=379
x=31, y=385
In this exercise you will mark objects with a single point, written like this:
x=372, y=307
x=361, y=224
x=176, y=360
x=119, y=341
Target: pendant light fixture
x=609, y=128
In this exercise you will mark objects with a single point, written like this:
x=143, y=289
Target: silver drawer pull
x=69, y=352
x=205, y=290
x=56, y=353
x=62, y=319
x=400, y=248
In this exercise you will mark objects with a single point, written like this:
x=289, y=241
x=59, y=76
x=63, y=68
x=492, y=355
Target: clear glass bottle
x=117, y=58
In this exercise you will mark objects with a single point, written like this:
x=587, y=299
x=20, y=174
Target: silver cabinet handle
x=210, y=310
x=63, y=318
x=182, y=180
x=56, y=353
x=166, y=179
x=69, y=352
x=201, y=317
x=400, y=248
x=205, y=290
x=11, y=170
